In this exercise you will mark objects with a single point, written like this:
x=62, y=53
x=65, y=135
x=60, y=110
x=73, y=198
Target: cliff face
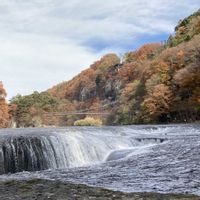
x=155, y=83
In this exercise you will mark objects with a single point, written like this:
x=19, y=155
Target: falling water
x=150, y=158
x=34, y=150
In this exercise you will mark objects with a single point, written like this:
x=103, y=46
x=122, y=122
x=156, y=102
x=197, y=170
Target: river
x=142, y=158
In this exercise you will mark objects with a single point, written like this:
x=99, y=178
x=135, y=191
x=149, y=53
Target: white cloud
x=46, y=42
x=32, y=63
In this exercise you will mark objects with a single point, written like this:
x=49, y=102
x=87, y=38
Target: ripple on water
x=168, y=166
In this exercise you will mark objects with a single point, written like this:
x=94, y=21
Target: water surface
x=125, y=158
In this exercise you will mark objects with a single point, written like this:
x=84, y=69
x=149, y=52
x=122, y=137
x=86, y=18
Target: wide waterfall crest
x=29, y=150
x=57, y=150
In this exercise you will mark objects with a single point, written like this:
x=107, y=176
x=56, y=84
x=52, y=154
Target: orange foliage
x=180, y=53
x=4, y=112
x=128, y=71
x=147, y=51
x=106, y=61
x=146, y=82
x=158, y=102
x=194, y=100
x=156, y=72
x=145, y=76
x=188, y=76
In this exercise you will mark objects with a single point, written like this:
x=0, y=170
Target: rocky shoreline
x=39, y=189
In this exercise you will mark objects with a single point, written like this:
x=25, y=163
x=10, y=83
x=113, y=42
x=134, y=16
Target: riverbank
x=55, y=190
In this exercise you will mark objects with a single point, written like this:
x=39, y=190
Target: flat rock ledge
x=38, y=189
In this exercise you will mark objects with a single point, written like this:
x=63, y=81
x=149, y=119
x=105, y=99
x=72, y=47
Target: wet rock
x=55, y=190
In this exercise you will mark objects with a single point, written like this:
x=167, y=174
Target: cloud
x=46, y=42
x=32, y=63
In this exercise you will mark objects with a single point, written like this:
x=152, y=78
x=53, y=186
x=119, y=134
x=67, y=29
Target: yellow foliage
x=88, y=121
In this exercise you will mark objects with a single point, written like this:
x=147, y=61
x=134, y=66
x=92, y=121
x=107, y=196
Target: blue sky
x=44, y=42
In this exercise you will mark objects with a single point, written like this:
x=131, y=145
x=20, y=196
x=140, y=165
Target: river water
x=151, y=158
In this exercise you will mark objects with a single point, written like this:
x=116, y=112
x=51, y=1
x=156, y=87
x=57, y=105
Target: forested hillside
x=157, y=83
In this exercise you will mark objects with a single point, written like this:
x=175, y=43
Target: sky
x=45, y=42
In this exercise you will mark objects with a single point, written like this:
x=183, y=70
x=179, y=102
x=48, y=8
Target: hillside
x=157, y=83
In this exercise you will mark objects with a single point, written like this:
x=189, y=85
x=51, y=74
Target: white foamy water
x=127, y=158
x=39, y=149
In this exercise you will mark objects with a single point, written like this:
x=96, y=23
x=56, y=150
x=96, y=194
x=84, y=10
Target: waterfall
x=44, y=149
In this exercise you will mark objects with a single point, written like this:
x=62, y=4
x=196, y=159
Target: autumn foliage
x=156, y=83
x=4, y=110
x=157, y=103
x=88, y=121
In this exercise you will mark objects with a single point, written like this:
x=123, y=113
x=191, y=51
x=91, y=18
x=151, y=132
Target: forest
x=156, y=83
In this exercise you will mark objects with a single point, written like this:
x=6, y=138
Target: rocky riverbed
x=37, y=189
